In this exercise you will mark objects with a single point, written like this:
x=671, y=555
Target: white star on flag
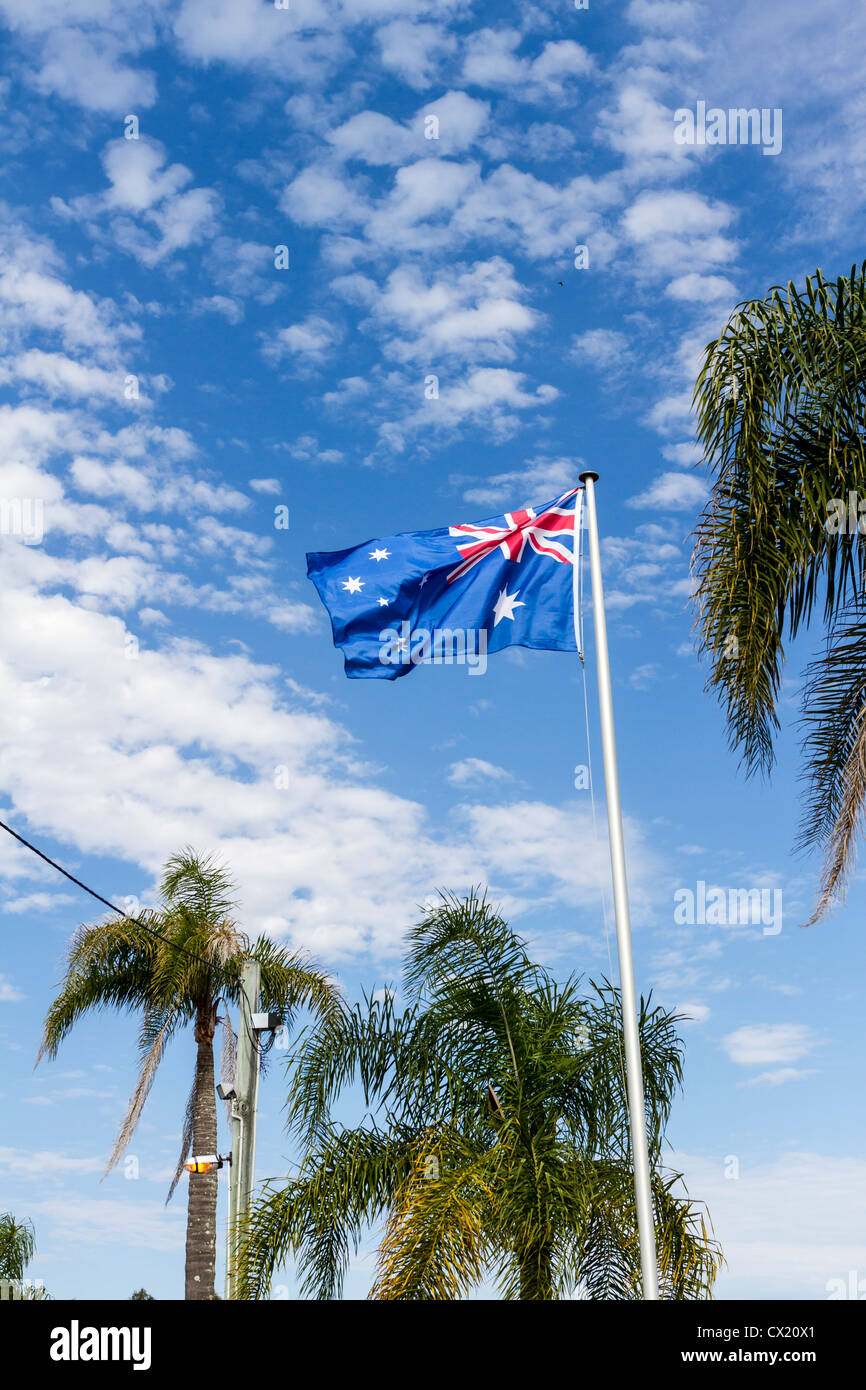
x=378, y=555
x=383, y=603
x=505, y=605
x=353, y=586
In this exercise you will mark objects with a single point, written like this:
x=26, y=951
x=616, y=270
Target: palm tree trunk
x=535, y=1272
x=203, y=1187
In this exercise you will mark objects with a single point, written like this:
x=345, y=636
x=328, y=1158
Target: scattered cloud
x=477, y=771
x=673, y=492
x=767, y=1044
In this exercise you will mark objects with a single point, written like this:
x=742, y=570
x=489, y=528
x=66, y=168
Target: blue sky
x=166, y=382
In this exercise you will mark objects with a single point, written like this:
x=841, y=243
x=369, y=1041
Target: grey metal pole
x=634, y=1071
x=242, y=1173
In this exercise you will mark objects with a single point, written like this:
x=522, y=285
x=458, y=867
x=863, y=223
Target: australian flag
x=453, y=595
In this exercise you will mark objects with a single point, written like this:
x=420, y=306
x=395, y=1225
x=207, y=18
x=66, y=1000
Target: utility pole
x=242, y=1171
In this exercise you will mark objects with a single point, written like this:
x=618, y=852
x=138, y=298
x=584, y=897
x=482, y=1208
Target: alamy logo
x=846, y=517
x=24, y=517
x=77, y=1343
x=734, y=907
x=738, y=126
x=443, y=646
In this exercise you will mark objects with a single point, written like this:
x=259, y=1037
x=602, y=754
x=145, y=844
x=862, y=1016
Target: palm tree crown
x=496, y=1143
x=781, y=402
x=17, y=1247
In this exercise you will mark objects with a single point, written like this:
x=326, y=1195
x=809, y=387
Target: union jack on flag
x=509, y=581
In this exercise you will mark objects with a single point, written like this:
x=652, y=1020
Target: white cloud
x=305, y=40
x=779, y=1077
x=97, y=1221
x=788, y=1226
x=138, y=175
x=673, y=228
x=469, y=312
x=671, y=413
x=667, y=16
x=644, y=568
x=452, y=123
x=601, y=348
x=768, y=1044
x=374, y=139
x=538, y=480
x=36, y=902
x=682, y=454
x=693, y=1013
x=703, y=289
x=672, y=492
x=188, y=744
x=220, y=304
x=312, y=341
x=59, y=375
x=491, y=398
x=34, y=297
x=478, y=771
x=149, y=210
x=491, y=61
x=642, y=677
x=436, y=203
x=324, y=197
x=8, y=992
x=414, y=51
x=43, y=1163
x=523, y=841
x=90, y=70
x=640, y=128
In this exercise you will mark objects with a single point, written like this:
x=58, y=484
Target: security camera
x=226, y=1092
x=266, y=1023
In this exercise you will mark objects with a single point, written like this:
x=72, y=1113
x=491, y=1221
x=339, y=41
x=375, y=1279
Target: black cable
x=20, y=838
x=252, y=1036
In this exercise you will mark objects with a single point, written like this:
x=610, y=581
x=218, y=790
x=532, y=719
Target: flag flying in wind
x=452, y=595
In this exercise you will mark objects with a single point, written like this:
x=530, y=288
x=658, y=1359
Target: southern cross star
x=378, y=555
x=353, y=586
x=383, y=603
x=505, y=605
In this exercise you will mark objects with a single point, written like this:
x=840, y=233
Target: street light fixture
x=206, y=1163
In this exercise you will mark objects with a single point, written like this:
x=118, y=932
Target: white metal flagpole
x=634, y=1071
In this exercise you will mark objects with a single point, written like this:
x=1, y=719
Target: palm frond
x=228, y=1059
x=780, y=405
x=185, y=1140
x=146, y=1078
x=108, y=965
x=200, y=884
x=17, y=1246
x=434, y=1245
x=834, y=705
x=346, y=1181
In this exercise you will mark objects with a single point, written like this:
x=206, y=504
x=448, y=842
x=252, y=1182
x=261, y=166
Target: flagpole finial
x=589, y=473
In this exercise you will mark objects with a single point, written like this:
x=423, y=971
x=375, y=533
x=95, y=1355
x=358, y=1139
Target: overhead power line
x=99, y=898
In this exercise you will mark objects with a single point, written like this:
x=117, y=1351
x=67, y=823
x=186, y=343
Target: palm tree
x=17, y=1247
x=496, y=1139
x=184, y=976
x=782, y=423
